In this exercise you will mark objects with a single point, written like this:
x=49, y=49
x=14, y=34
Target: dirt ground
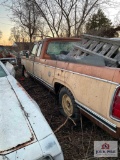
x=77, y=141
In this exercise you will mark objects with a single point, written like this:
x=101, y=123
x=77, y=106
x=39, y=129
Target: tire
x=24, y=72
x=67, y=104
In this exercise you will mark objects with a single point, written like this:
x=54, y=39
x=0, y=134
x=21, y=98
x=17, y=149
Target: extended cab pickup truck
x=90, y=89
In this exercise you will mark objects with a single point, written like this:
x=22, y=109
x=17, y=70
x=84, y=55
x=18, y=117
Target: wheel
x=67, y=104
x=24, y=73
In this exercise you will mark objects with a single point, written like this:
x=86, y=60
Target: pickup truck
x=90, y=89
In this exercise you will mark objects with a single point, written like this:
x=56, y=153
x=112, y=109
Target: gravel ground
x=77, y=141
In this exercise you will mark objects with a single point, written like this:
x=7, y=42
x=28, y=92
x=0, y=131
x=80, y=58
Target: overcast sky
x=6, y=24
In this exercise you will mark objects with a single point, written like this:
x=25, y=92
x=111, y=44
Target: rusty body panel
x=92, y=87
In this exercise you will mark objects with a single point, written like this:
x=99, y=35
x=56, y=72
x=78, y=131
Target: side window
x=34, y=50
x=39, y=50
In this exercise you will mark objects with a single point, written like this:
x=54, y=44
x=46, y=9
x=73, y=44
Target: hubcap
x=67, y=105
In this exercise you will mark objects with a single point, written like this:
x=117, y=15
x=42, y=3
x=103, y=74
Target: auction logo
x=105, y=149
x=105, y=146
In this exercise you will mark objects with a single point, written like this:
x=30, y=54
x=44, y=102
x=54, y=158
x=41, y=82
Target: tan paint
x=38, y=69
x=48, y=74
x=60, y=71
x=95, y=94
x=59, y=74
x=90, y=92
x=29, y=66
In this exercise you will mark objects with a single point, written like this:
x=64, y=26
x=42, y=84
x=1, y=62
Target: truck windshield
x=2, y=72
x=63, y=47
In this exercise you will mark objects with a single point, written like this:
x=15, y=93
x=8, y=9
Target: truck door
x=43, y=68
x=48, y=66
x=30, y=59
x=37, y=64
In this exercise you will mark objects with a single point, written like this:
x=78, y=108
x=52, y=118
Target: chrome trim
x=44, y=64
x=39, y=79
x=111, y=106
x=89, y=111
x=10, y=58
x=100, y=79
x=50, y=66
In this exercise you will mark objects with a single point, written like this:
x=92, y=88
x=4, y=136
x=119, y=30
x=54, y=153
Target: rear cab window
x=58, y=47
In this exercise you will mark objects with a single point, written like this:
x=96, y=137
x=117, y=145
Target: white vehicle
x=24, y=132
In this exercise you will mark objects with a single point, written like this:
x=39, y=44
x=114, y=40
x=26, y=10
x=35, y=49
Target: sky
x=6, y=24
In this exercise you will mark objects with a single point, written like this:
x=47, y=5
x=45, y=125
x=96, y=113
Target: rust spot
x=31, y=139
x=19, y=146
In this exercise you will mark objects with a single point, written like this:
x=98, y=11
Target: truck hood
x=21, y=121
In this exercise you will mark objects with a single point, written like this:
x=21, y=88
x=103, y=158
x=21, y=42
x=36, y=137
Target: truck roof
x=60, y=38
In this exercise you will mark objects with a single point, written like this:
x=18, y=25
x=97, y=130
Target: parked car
x=6, y=56
x=24, y=132
x=24, y=52
x=12, y=52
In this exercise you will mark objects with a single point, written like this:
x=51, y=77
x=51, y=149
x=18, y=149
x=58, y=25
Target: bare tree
x=25, y=14
x=51, y=14
x=66, y=17
x=18, y=35
x=54, y=17
x=14, y=35
x=67, y=8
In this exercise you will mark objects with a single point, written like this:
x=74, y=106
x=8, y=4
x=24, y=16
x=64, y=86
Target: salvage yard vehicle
x=6, y=56
x=24, y=132
x=84, y=73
